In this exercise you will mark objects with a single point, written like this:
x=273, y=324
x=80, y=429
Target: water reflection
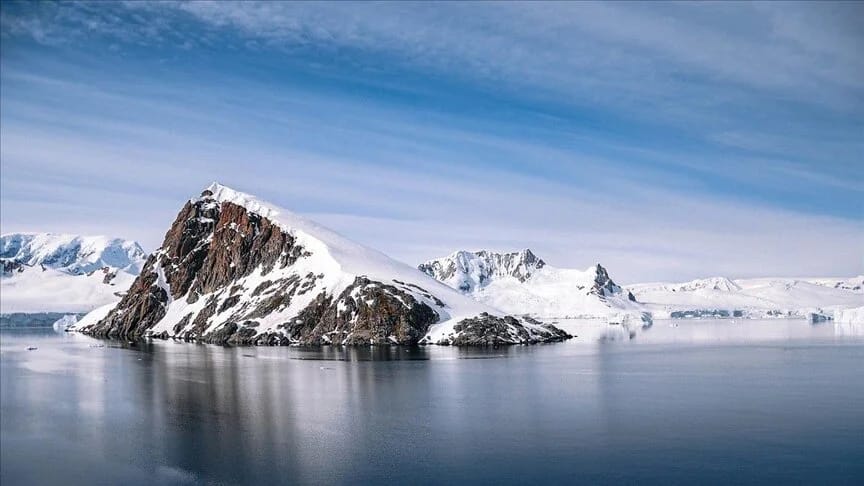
x=848, y=329
x=708, y=331
x=176, y=412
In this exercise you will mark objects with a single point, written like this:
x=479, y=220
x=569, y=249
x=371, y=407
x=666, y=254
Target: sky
x=667, y=141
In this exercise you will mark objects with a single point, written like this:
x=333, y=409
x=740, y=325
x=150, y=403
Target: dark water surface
x=704, y=402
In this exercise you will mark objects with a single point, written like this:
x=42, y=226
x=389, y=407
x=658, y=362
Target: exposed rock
x=109, y=275
x=488, y=330
x=605, y=287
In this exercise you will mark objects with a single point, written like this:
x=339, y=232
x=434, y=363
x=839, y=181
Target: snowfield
x=555, y=293
x=46, y=272
x=53, y=290
x=521, y=283
x=756, y=298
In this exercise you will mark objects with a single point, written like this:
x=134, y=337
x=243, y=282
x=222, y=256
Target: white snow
x=519, y=288
x=64, y=273
x=75, y=254
x=554, y=293
x=35, y=290
x=93, y=316
x=65, y=322
x=757, y=297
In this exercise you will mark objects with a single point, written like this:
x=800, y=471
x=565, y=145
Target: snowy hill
x=235, y=269
x=46, y=272
x=522, y=283
x=758, y=297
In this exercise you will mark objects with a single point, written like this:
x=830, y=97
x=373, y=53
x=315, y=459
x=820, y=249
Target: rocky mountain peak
x=605, y=287
x=235, y=269
x=468, y=271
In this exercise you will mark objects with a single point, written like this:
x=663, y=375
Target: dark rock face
x=604, y=286
x=141, y=308
x=9, y=266
x=371, y=313
x=489, y=330
x=196, y=263
x=109, y=275
x=208, y=247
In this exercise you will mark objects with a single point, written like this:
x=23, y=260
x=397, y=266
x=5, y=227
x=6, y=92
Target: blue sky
x=667, y=141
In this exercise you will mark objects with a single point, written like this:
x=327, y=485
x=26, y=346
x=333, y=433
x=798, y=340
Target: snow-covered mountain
x=468, y=271
x=47, y=272
x=235, y=269
x=522, y=283
x=757, y=297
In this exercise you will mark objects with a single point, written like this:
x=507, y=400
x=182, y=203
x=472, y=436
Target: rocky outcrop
x=488, y=330
x=230, y=271
x=605, y=287
x=7, y=267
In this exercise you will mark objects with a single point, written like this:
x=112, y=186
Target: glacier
x=48, y=272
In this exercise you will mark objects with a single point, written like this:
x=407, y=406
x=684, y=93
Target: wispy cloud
x=665, y=140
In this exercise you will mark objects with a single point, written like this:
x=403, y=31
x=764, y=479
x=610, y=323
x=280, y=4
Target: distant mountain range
x=523, y=283
x=756, y=297
x=234, y=268
x=47, y=272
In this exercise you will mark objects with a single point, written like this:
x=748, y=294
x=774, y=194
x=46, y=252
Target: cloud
x=667, y=141
x=648, y=234
x=581, y=44
x=786, y=46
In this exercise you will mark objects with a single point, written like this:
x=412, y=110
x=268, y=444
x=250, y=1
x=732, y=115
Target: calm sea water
x=704, y=402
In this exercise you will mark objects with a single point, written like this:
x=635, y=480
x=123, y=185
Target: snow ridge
x=522, y=283
x=48, y=272
x=468, y=271
x=73, y=254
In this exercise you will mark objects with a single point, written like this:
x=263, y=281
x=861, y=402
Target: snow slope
x=758, y=297
x=46, y=272
x=520, y=283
